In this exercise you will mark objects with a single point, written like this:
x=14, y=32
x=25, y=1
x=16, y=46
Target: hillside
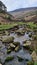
x=28, y=14
x=5, y=17
x=23, y=14
x=18, y=35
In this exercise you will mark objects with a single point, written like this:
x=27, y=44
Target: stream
x=22, y=52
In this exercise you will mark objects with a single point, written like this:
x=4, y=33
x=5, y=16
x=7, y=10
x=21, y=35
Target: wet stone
x=8, y=39
x=17, y=48
x=9, y=58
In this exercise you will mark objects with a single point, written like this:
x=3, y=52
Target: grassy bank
x=8, y=26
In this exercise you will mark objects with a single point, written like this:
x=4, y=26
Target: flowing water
x=22, y=53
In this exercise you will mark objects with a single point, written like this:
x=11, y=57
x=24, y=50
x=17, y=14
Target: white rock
x=0, y=64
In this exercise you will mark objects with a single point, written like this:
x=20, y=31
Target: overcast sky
x=15, y=4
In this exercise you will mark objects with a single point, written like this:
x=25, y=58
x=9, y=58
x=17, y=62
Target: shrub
x=8, y=17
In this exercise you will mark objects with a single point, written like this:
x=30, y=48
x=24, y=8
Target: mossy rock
x=20, y=32
x=26, y=47
x=12, y=45
x=20, y=59
x=27, y=43
x=8, y=51
x=8, y=39
x=9, y=58
x=29, y=49
x=16, y=43
x=30, y=63
x=17, y=48
x=7, y=33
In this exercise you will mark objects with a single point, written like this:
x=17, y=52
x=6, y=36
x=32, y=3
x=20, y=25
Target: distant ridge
x=27, y=14
x=24, y=9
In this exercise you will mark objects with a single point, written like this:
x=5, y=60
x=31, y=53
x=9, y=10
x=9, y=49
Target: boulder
x=9, y=58
x=30, y=63
x=6, y=32
x=16, y=43
x=34, y=56
x=12, y=45
x=17, y=48
x=8, y=39
x=20, y=32
x=28, y=43
x=8, y=51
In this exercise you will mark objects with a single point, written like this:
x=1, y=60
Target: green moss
x=8, y=51
x=35, y=63
x=30, y=63
x=9, y=58
x=8, y=26
x=8, y=39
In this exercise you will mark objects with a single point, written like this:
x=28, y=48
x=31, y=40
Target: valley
x=18, y=37
x=18, y=42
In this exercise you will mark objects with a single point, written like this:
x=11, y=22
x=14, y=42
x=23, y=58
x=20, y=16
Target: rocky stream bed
x=15, y=46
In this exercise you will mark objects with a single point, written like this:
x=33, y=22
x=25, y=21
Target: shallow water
x=20, y=38
x=22, y=53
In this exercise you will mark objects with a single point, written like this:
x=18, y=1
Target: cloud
x=31, y=2
x=15, y=4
